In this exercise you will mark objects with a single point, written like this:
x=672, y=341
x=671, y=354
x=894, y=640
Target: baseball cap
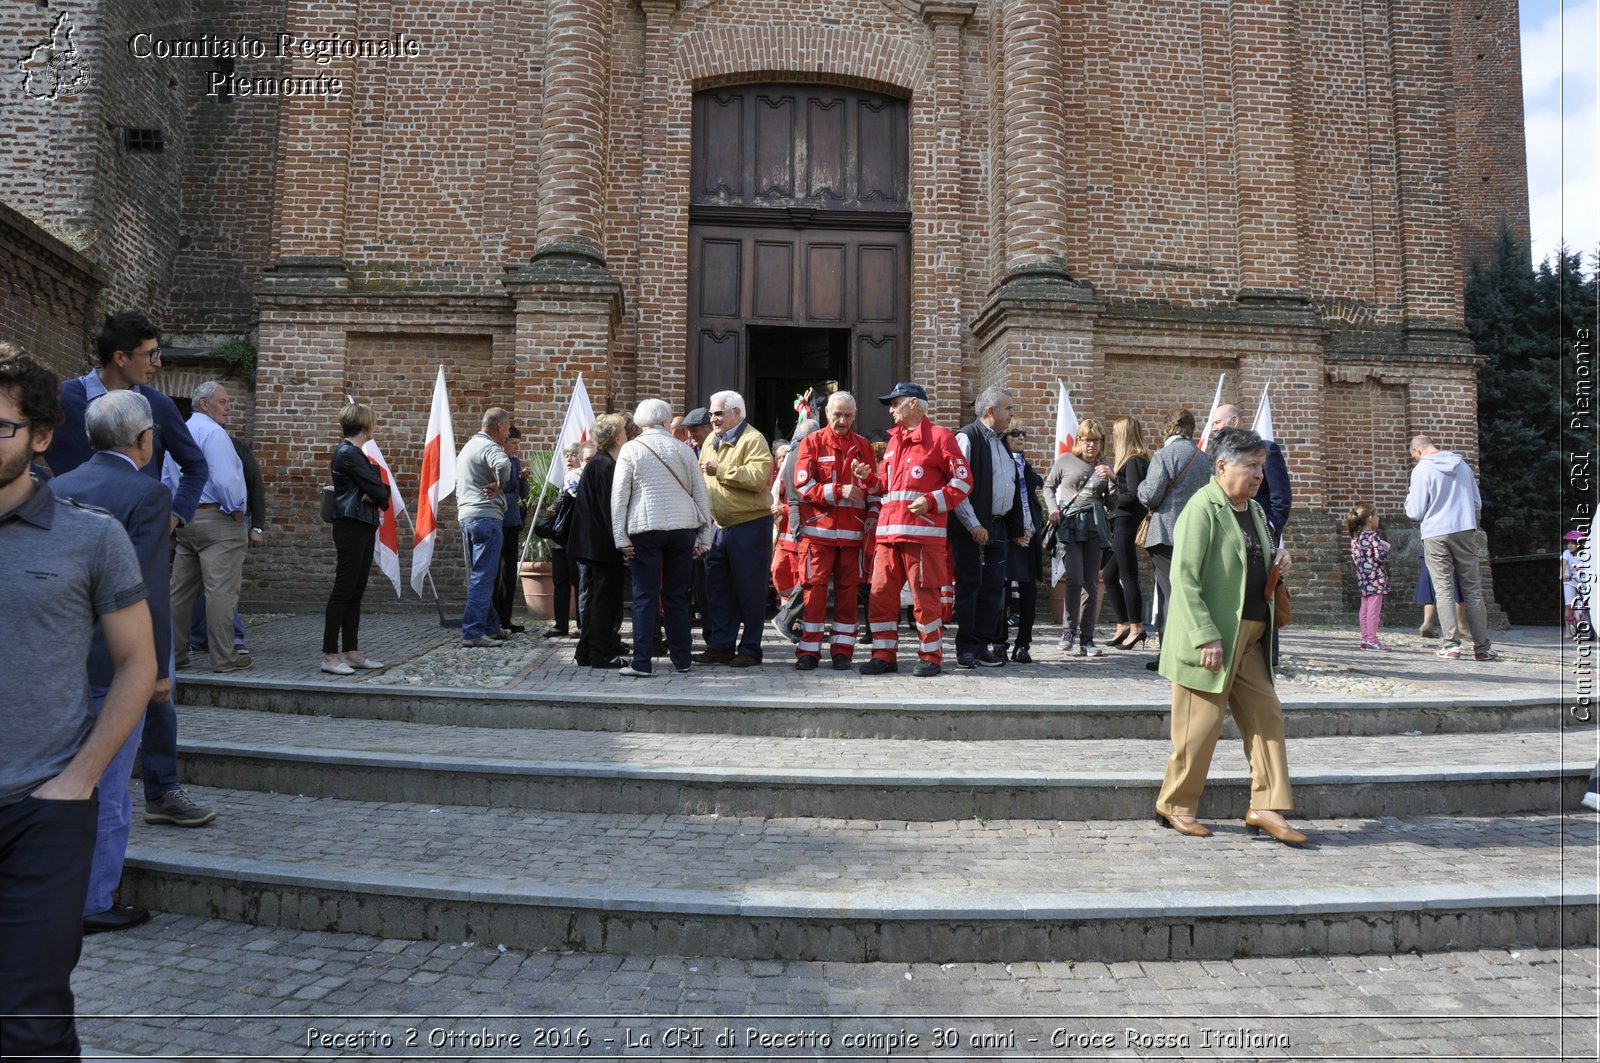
x=902, y=390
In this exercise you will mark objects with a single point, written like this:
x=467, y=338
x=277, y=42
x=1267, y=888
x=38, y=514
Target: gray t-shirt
x=62, y=566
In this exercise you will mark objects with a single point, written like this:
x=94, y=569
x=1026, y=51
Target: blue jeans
x=111, y=826
x=661, y=573
x=484, y=536
x=197, y=629
x=738, y=569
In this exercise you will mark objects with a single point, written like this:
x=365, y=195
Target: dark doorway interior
x=784, y=362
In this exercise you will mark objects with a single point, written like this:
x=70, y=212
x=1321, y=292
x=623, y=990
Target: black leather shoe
x=926, y=669
x=1021, y=655
x=713, y=657
x=967, y=660
x=991, y=659
x=878, y=666
x=841, y=663
x=116, y=917
x=805, y=664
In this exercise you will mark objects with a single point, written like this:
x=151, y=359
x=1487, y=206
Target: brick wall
x=1326, y=156
x=1491, y=150
x=47, y=294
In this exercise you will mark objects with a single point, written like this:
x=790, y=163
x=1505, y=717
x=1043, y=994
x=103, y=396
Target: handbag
x=1282, y=610
x=1144, y=525
x=557, y=527
x=329, y=509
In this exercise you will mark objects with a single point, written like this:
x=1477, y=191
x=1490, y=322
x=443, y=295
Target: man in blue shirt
x=129, y=349
x=211, y=548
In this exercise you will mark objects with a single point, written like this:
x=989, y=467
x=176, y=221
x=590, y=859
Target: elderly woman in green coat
x=1216, y=650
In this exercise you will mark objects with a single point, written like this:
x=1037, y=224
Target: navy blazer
x=144, y=506
x=70, y=447
x=1274, y=496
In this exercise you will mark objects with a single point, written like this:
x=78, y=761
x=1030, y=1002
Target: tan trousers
x=209, y=555
x=1197, y=724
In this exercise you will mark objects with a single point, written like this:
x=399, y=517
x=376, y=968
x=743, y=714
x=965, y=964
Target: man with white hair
x=121, y=428
x=737, y=463
x=830, y=521
x=987, y=521
x=211, y=548
x=1275, y=496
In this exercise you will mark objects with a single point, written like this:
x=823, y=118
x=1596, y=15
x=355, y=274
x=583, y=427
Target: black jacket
x=980, y=460
x=590, y=537
x=358, y=488
x=1126, y=504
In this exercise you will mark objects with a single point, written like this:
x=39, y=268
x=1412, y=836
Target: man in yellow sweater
x=737, y=463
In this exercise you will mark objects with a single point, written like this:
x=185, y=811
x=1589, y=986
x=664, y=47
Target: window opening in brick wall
x=143, y=141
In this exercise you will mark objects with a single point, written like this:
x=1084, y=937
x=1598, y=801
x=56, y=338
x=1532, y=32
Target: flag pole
x=437, y=604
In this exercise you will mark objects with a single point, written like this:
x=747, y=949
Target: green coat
x=1208, y=577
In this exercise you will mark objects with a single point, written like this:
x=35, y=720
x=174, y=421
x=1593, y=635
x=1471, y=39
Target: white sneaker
x=630, y=670
x=1592, y=800
x=1089, y=649
x=1067, y=639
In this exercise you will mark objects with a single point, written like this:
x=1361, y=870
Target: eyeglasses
x=11, y=428
x=155, y=433
x=1016, y=433
x=716, y=413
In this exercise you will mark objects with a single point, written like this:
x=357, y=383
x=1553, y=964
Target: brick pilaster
x=1035, y=137
x=572, y=164
x=1264, y=75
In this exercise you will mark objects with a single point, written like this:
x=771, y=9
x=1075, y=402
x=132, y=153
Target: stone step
x=844, y=705
x=857, y=890
x=590, y=771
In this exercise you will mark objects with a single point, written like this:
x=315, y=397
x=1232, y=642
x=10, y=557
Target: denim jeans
x=484, y=536
x=111, y=825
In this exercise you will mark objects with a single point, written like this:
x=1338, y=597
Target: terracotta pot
x=538, y=588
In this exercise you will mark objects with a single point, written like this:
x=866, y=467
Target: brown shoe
x=1183, y=825
x=743, y=660
x=714, y=657
x=1285, y=833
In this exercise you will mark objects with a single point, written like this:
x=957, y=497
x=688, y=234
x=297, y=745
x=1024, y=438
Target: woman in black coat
x=602, y=572
x=360, y=497
x=1121, y=568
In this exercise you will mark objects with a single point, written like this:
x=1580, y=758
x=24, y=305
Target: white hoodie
x=1444, y=495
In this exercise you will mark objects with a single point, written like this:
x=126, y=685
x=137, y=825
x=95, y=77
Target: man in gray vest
x=985, y=520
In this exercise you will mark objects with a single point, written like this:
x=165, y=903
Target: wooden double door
x=799, y=247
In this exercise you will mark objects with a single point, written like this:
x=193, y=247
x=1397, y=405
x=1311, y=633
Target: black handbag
x=557, y=527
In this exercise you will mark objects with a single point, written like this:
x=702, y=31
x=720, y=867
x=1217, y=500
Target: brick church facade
x=676, y=196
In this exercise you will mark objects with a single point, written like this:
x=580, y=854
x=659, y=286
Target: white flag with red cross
x=438, y=482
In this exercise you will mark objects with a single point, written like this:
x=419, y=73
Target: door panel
x=774, y=280
x=799, y=219
x=825, y=283
x=720, y=293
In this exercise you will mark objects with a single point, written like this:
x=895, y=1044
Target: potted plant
x=533, y=563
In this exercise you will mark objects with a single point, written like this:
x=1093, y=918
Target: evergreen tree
x=1522, y=323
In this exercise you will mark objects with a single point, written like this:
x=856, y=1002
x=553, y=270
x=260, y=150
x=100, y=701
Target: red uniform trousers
x=827, y=562
x=785, y=569
x=922, y=566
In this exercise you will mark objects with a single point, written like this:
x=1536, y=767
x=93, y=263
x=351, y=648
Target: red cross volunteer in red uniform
x=835, y=510
x=923, y=478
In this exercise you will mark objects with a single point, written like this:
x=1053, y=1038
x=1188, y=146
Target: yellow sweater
x=741, y=489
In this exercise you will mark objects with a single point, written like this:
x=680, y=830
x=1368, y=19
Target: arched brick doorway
x=799, y=246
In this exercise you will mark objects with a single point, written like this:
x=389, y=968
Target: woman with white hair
x=661, y=521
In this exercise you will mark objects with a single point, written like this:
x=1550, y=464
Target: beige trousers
x=209, y=555
x=1197, y=724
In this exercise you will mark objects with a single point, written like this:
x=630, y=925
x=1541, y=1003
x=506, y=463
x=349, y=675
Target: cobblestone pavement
x=1319, y=664
x=732, y=856
x=192, y=987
